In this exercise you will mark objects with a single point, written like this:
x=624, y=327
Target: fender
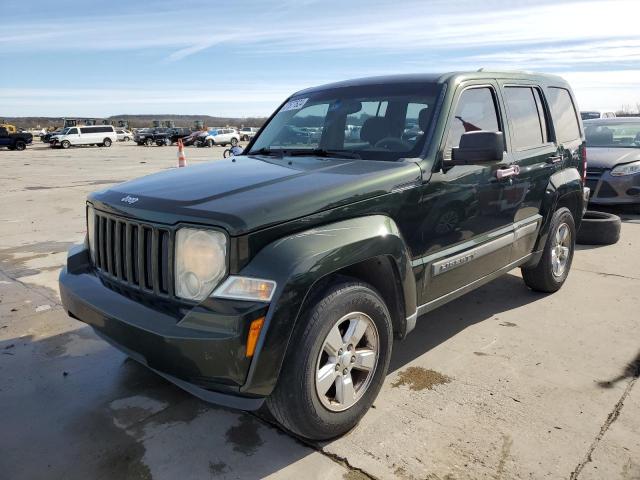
x=299, y=261
x=562, y=185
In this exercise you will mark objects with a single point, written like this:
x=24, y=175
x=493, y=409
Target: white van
x=103, y=135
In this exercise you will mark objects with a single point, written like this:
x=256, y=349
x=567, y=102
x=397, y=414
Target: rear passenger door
x=537, y=157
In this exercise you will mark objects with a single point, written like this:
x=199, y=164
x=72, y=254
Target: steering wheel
x=390, y=142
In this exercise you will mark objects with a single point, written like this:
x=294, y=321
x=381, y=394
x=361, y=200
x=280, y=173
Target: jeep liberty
x=283, y=275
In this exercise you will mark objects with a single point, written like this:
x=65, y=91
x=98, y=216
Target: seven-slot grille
x=135, y=254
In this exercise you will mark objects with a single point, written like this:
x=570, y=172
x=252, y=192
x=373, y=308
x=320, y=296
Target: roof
x=446, y=77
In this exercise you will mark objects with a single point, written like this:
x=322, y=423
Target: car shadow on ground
x=488, y=302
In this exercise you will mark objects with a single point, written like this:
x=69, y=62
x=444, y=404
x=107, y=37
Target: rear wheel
x=553, y=268
x=337, y=362
x=20, y=145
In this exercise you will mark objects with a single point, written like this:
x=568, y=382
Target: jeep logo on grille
x=129, y=199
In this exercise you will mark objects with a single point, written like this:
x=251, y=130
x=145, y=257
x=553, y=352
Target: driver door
x=466, y=234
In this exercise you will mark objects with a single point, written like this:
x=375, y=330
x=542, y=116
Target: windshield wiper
x=322, y=152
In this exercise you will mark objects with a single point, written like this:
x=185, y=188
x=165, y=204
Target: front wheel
x=106, y=142
x=20, y=145
x=65, y=144
x=209, y=142
x=337, y=363
x=554, y=265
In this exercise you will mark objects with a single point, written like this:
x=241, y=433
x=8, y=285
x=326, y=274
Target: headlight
x=91, y=232
x=627, y=169
x=201, y=262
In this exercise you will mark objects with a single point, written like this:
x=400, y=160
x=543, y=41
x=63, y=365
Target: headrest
x=423, y=119
x=374, y=129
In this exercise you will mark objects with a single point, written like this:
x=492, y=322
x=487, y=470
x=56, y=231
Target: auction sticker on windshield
x=294, y=104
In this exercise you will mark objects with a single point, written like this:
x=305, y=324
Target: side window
x=476, y=110
x=524, y=114
x=563, y=112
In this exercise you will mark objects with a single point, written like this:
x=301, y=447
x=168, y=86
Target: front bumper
x=609, y=190
x=199, y=348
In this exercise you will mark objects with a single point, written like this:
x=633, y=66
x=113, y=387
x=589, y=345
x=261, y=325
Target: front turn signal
x=254, y=333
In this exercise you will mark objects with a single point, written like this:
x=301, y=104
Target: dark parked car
x=160, y=136
x=613, y=174
x=46, y=138
x=284, y=274
x=14, y=141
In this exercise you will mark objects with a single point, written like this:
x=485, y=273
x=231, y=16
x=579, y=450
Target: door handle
x=507, y=172
x=554, y=159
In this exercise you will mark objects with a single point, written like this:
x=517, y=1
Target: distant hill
x=140, y=121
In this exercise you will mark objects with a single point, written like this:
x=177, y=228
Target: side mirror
x=479, y=147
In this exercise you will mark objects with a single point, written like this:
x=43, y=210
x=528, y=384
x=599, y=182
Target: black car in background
x=160, y=136
x=14, y=141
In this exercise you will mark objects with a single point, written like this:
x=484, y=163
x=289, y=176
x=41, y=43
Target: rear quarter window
x=563, y=112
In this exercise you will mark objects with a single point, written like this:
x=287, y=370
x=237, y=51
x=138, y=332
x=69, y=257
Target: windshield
x=63, y=132
x=378, y=122
x=612, y=134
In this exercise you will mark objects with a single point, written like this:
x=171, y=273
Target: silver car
x=613, y=156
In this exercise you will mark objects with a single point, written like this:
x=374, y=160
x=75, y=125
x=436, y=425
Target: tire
x=209, y=142
x=106, y=142
x=20, y=145
x=148, y=142
x=234, y=142
x=160, y=143
x=65, y=144
x=245, y=138
x=125, y=139
x=296, y=401
x=599, y=228
x=545, y=277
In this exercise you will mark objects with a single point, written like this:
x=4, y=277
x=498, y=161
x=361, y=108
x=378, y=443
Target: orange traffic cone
x=182, y=160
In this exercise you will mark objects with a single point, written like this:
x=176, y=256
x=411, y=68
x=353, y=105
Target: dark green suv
x=285, y=273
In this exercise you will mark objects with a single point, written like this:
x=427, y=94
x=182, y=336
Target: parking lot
x=501, y=383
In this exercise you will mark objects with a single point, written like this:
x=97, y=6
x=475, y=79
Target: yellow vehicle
x=10, y=128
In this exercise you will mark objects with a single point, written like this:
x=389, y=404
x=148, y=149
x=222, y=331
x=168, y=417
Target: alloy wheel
x=560, y=250
x=347, y=361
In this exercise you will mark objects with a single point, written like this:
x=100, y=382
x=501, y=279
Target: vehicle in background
x=285, y=274
x=613, y=171
x=160, y=136
x=46, y=138
x=14, y=140
x=247, y=133
x=123, y=135
x=593, y=114
x=9, y=128
x=193, y=137
x=218, y=136
x=98, y=135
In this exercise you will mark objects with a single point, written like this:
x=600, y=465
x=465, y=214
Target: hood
x=600, y=157
x=246, y=193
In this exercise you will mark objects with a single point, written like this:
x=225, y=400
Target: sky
x=243, y=58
